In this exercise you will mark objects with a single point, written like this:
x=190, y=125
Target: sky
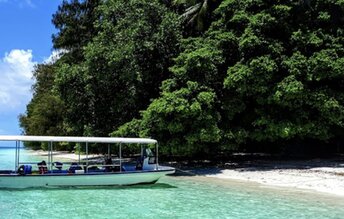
x=25, y=40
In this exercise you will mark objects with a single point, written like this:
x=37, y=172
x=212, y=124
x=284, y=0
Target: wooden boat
x=84, y=172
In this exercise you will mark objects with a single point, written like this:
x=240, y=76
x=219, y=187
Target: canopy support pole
x=16, y=158
x=18, y=154
x=48, y=153
x=51, y=156
x=157, y=156
x=120, y=157
x=86, y=156
x=79, y=149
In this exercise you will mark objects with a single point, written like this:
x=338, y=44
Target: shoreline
x=65, y=155
x=317, y=175
x=320, y=176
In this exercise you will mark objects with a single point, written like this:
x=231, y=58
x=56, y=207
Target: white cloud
x=21, y=3
x=28, y=3
x=16, y=80
x=55, y=55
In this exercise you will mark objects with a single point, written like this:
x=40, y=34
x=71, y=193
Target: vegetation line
x=204, y=77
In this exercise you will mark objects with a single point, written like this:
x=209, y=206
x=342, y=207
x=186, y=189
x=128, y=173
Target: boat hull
x=91, y=179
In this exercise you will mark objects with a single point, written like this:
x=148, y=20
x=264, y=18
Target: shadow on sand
x=206, y=168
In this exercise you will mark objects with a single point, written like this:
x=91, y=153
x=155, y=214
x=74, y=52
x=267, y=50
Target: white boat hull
x=92, y=179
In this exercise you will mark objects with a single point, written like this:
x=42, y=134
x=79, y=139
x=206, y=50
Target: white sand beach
x=326, y=176
x=317, y=175
x=318, y=179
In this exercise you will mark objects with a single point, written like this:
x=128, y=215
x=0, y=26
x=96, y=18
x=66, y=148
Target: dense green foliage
x=44, y=115
x=115, y=72
x=196, y=14
x=74, y=20
x=274, y=72
x=247, y=75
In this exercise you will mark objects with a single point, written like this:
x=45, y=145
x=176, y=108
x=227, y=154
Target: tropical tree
x=74, y=19
x=275, y=70
x=184, y=120
x=45, y=112
x=123, y=68
x=197, y=15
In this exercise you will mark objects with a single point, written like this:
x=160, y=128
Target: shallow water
x=171, y=197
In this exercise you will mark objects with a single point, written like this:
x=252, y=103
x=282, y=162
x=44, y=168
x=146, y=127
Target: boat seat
x=42, y=167
x=25, y=169
x=58, y=165
x=108, y=162
x=73, y=167
x=139, y=163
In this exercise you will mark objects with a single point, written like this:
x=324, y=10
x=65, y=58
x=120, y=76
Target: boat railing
x=83, y=162
x=84, y=165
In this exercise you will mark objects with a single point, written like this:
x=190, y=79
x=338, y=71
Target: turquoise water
x=171, y=197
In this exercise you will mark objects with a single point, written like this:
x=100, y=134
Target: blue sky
x=25, y=40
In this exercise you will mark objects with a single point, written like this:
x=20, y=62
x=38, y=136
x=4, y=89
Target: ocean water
x=171, y=197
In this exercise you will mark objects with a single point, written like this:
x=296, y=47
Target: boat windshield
x=147, y=152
